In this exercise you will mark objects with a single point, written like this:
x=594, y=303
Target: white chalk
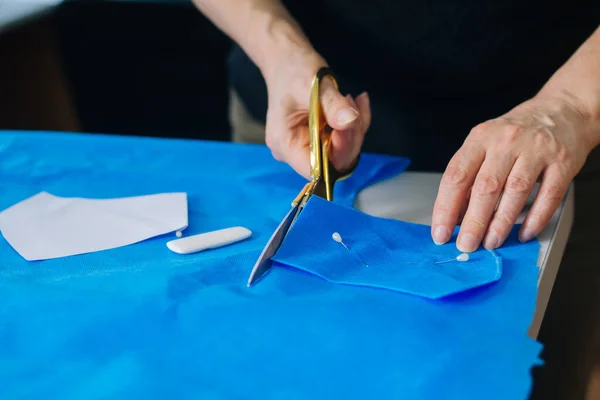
x=208, y=240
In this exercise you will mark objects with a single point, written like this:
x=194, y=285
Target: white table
x=14, y=12
x=410, y=197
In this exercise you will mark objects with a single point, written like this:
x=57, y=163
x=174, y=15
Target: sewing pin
x=338, y=238
x=462, y=257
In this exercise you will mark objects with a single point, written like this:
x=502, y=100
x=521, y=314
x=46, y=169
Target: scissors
x=323, y=175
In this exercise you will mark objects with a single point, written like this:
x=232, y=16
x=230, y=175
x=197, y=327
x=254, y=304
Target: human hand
x=499, y=163
x=289, y=83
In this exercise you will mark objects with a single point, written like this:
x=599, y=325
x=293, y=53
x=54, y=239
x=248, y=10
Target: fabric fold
x=414, y=265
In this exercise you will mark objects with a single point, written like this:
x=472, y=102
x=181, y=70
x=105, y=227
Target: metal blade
x=264, y=262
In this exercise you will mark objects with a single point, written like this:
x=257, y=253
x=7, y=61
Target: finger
x=456, y=182
x=486, y=191
x=463, y=207
x=346, y=144
x=288, y=144
x=363, y=102
x=297, y=151
x=551, y=193
x=518, y=186
x=338, y=111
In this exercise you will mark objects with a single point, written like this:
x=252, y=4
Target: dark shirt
x=434, y=69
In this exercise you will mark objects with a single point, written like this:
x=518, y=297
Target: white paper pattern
x=45, y=226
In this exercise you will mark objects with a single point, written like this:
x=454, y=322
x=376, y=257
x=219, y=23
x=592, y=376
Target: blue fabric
x=398, y=255
x=142, y=322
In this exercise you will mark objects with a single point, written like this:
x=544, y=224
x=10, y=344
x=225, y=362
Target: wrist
x=282, y=48
x=570, y=105
x=588, y=109
x=583, y=97
x=272, y=37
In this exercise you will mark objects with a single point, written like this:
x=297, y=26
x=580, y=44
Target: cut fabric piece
x=46, y=226
x=399, y=256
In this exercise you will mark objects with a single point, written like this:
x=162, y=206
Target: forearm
x=579, y=80
x=263, y=28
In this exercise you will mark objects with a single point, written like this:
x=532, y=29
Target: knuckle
x=563, y=155
x=505, y=219
x=443, y=207
x=486, y=185
x=541, y=139
x=273, y=146
x=329, y=98
x=553, y=150
x=271, y=141
x=564, y=173
x=511, y=133
x=475, y=222
x=537, y=219
x=276, y=155
x=480, y=129
x=553, y=193
x=518, y=185
x=536, y=215
x=455, y=175
x=442, y=210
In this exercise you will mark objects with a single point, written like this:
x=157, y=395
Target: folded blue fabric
x=383, y=253
x=143, y=322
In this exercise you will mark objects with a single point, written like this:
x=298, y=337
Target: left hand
x=499, y=163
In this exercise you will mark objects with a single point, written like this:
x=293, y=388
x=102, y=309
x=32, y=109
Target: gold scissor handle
x=322, y=172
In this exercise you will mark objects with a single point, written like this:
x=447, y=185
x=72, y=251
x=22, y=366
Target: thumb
x=339, y=112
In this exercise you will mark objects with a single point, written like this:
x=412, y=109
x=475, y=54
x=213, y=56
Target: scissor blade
x=264, y=261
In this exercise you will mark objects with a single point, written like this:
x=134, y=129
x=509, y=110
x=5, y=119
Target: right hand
x=289, y=83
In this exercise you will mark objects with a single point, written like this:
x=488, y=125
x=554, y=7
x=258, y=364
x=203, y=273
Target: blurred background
x=129, y=67
x=116, y=67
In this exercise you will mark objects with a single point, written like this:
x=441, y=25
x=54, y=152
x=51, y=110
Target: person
x=497, y=95
x=434, y=77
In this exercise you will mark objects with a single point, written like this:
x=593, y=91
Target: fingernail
x=492, y=240
x=441, y=235
x=526, y=235
x=467, y=243
x=367, y=98
x=346, y=116
x=351, y=101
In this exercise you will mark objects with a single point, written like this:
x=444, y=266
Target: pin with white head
x=462, y=257
x=178, y=234
x=338, y=238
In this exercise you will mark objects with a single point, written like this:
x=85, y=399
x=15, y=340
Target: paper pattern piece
x=143, y=322
x=45, y=226
x=399, y=256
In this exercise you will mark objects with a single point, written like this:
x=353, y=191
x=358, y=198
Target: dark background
x=118, y=68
